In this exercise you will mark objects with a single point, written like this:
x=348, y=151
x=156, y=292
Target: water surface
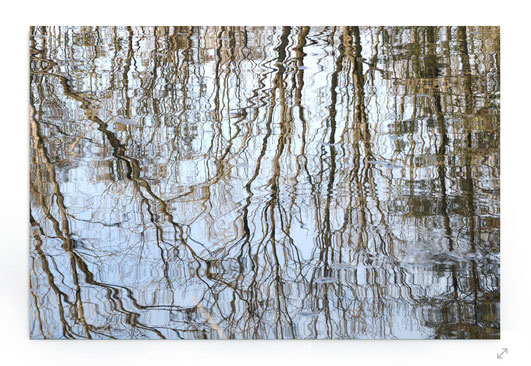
x=264, y=182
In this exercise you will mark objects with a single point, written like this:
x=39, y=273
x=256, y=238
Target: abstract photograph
x=256, y=182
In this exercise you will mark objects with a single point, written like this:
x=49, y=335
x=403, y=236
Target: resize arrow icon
x=504, y=351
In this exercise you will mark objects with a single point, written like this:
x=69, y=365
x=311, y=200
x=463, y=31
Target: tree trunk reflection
x=264, y=182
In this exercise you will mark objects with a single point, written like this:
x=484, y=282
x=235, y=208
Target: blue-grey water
x=264, y=182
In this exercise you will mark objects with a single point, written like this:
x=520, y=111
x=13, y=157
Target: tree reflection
x=254, y=182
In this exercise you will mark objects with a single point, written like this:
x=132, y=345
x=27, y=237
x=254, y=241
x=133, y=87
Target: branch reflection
x=264, y=182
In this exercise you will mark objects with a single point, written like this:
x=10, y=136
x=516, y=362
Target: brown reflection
x=264, y=182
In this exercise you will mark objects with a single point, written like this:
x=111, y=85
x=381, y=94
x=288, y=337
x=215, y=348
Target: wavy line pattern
x=264, y=182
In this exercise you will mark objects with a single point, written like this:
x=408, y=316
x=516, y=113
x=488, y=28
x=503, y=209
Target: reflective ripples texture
x=264, y=182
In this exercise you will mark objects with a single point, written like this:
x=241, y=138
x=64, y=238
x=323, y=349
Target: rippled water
x=260, y=182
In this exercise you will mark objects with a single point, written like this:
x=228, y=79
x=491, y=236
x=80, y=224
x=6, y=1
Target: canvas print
x=287, y=182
